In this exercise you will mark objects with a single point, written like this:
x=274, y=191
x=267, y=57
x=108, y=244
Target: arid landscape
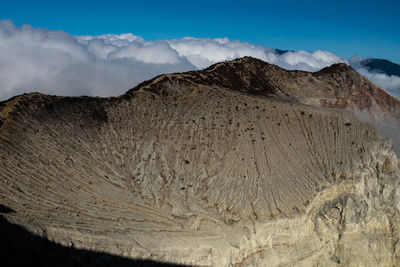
x=239, y=164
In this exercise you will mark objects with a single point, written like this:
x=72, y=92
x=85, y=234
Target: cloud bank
x=389, y=82
x=55, y=62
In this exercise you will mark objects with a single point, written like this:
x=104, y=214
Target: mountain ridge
x=208, y=168
x=337, y=86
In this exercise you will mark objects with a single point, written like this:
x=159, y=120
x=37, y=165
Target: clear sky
x=364, y=27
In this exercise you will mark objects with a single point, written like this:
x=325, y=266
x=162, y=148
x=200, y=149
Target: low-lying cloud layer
x=390, y=83
x=55, y=62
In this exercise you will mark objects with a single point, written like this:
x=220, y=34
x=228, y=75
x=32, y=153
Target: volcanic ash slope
x=239, y=164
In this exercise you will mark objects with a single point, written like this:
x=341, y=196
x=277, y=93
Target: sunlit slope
x=197, y=168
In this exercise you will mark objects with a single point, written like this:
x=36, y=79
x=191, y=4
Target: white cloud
x=204, y=52
x=56, y=62
x=151, y=53
x=390, y=83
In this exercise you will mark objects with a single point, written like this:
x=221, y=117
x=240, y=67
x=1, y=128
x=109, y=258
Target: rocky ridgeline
x=242, y=163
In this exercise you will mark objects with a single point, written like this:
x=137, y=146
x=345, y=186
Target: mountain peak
x=336, y=68
x=246, y=74
x=240, y=62
x=256, y=77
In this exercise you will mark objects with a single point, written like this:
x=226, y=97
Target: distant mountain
x=381, y=66
x=281, y=52
x=376, y=65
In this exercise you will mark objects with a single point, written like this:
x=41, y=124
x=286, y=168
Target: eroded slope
x=182, y=169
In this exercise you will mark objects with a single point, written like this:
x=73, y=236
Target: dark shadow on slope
x=18, y=247
x=5, y=209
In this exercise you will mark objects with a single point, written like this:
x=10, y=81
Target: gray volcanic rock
x=242, y=163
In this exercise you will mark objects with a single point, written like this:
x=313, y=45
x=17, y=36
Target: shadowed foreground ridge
x=241, y=163
x=21, y=248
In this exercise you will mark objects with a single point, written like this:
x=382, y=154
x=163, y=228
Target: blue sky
x=368, y=28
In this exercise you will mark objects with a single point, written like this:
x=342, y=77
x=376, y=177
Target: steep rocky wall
x=199, y=174
x=213, y=177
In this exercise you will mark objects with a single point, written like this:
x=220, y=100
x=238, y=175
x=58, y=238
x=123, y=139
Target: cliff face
x=242, y=163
